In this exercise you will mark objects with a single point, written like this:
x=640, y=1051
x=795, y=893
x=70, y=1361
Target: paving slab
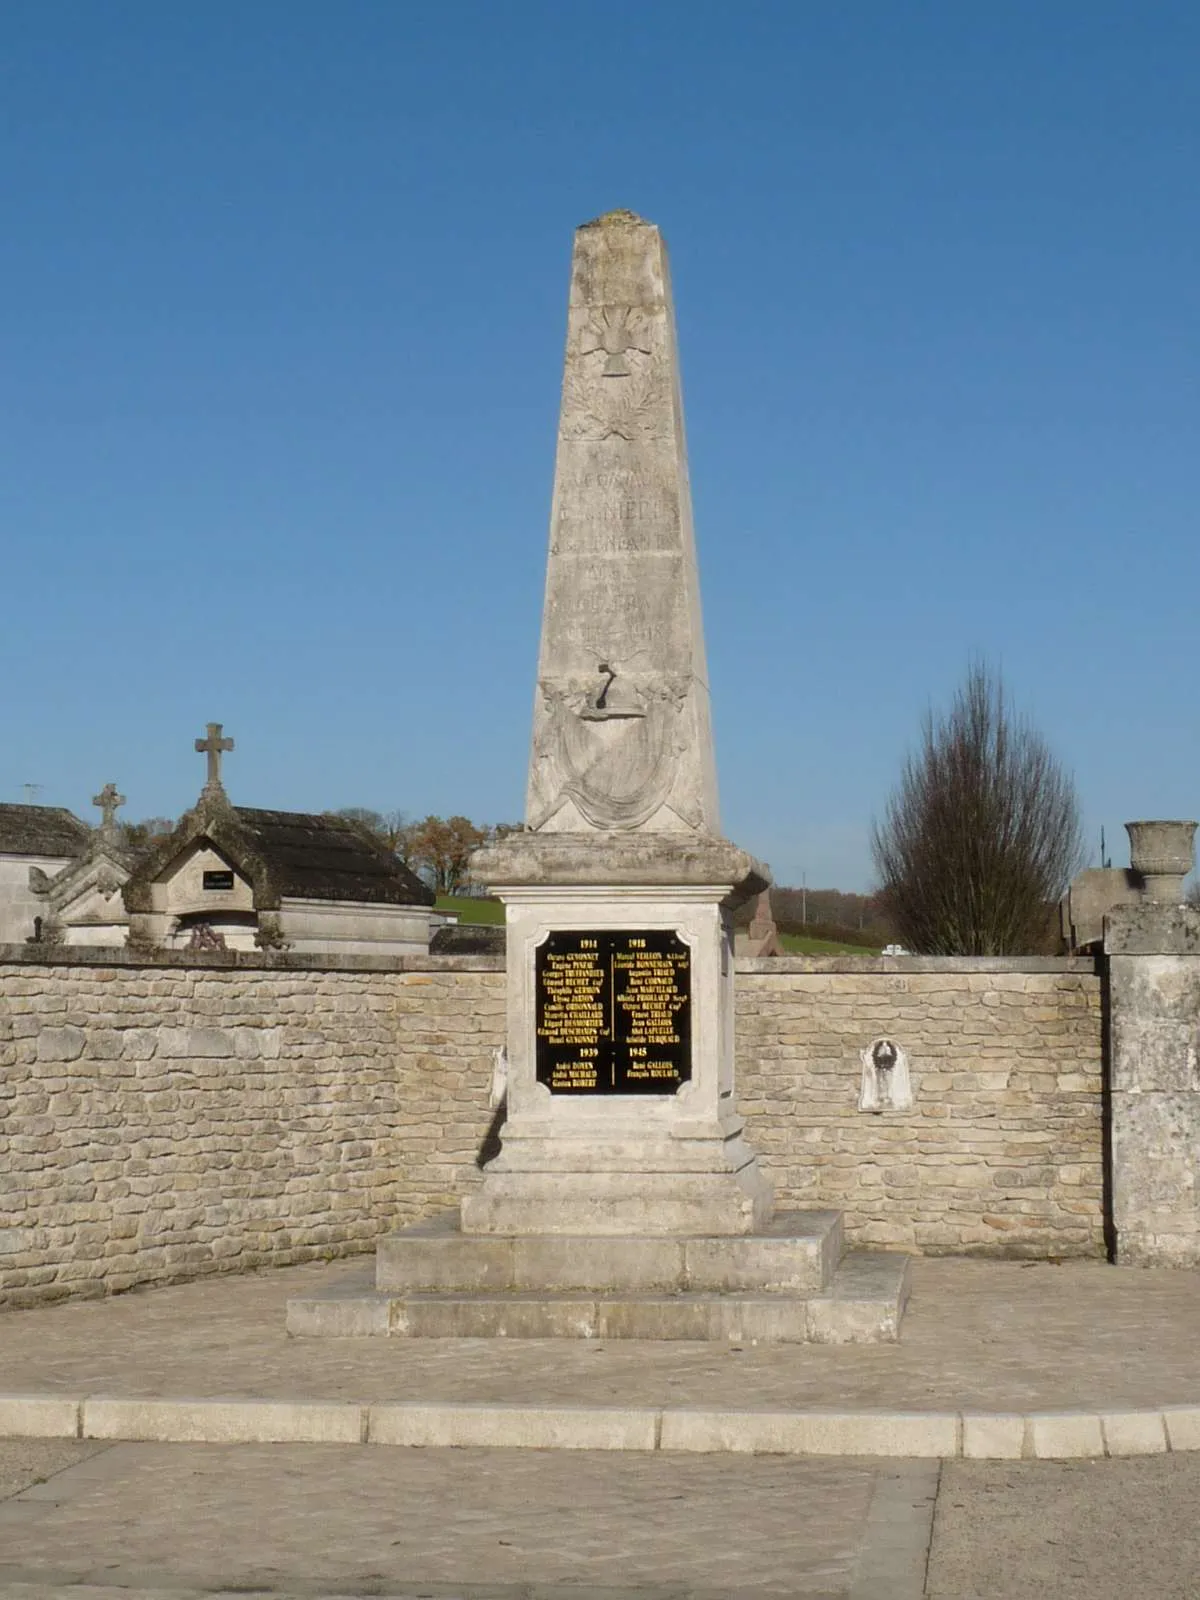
x=978, y=1336
x=1072, y=1530
x=491, y=1525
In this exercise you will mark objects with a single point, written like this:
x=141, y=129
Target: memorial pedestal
x=621, y=1117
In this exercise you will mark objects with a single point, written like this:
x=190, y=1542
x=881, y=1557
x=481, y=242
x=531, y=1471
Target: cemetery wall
x=1001, y=1152
x=161, y=1122
x=219, y=1113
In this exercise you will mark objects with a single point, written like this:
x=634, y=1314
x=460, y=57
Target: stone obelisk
x=621, y=1116
x=621, y=732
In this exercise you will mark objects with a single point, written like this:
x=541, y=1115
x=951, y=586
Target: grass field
x=468, y=908
x=796, y=945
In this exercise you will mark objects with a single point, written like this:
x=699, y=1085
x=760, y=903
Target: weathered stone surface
x=800, y=1252
x=993, y=1436
x=1134, y=1433
x=514, y=1427
x=622, y=735
x=1152, y=930
x=39, y=1416
x=1154, y=987
x=61, y=1044
x=524, y=860
x=1064, y=1435
x=831, y=1433
x=592, y=1287
x=212, y=1421
x=183, y=1043
x=1183, y=1427
x=1094, y=894
x=435, y=1255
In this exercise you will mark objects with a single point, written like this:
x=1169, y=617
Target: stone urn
x=1162, y=854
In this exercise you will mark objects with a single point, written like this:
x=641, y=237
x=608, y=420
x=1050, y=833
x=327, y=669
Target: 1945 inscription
x=613, y=1012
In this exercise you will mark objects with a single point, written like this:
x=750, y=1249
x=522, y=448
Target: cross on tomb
x=213, y=747
x=108, y=800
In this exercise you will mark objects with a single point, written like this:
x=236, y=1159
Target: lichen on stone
x=616, y=218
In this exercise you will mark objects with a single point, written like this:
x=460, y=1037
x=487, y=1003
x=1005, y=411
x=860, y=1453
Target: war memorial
x=626, y=1200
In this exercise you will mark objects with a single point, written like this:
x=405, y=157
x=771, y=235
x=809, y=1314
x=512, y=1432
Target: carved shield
x=618, y=770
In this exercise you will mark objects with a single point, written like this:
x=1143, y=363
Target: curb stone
x=974, y=1435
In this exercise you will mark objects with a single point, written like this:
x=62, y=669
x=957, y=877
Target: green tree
x=442, y=846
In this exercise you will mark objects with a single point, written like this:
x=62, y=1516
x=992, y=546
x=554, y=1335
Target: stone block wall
x=1001, y=1152
x=162, y=1122
x=220, y=1113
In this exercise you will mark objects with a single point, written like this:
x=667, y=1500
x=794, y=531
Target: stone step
x=797, y=1253
x=863, y=1305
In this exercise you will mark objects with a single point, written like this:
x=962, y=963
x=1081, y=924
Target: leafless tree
x=982, y=834
x=145, y=835
x=393, y=827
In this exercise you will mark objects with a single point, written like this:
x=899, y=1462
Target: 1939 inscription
x=614, y=1012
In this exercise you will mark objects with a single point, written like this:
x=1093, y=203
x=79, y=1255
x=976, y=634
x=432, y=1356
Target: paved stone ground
x=294, y=1522
x=985, y=1335
x=24, y=1462
x=311, y=1519
x=1067, y=1530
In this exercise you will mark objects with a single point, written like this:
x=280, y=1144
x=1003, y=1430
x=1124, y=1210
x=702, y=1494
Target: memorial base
x=789, y=1285
x=626, y=1202
x=618, y=1203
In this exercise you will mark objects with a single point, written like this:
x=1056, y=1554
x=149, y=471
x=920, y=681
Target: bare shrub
x=982, y=834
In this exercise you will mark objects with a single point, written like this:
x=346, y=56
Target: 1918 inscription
x=613, y=1012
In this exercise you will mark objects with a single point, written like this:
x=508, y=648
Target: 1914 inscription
x=614, y=1012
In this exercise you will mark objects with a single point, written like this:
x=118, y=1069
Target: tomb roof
x=330, y=858
x=284, y=854
x=41, y=831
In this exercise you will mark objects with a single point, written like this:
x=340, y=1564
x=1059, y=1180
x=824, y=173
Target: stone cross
x=108, y=800
x=213, y=747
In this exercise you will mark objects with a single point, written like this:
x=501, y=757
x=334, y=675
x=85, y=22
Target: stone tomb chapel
x=33, y=839
x=239, y=878
x=82, y=904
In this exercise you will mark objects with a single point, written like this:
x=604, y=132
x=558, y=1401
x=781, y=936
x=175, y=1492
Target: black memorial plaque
x=614, y=1012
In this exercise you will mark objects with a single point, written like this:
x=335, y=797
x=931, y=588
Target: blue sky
x=284, y=296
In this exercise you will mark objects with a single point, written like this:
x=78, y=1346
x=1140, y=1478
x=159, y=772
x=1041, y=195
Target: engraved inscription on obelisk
x=622, y=737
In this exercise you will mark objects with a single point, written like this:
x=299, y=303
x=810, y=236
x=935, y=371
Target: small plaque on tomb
x=218, y=880
x=613, y=1012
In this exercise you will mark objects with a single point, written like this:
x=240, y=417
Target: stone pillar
x=1153, y=953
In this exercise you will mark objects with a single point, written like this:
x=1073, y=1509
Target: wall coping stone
x=1151, y=929
x=766, y=965
x=30, y=955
